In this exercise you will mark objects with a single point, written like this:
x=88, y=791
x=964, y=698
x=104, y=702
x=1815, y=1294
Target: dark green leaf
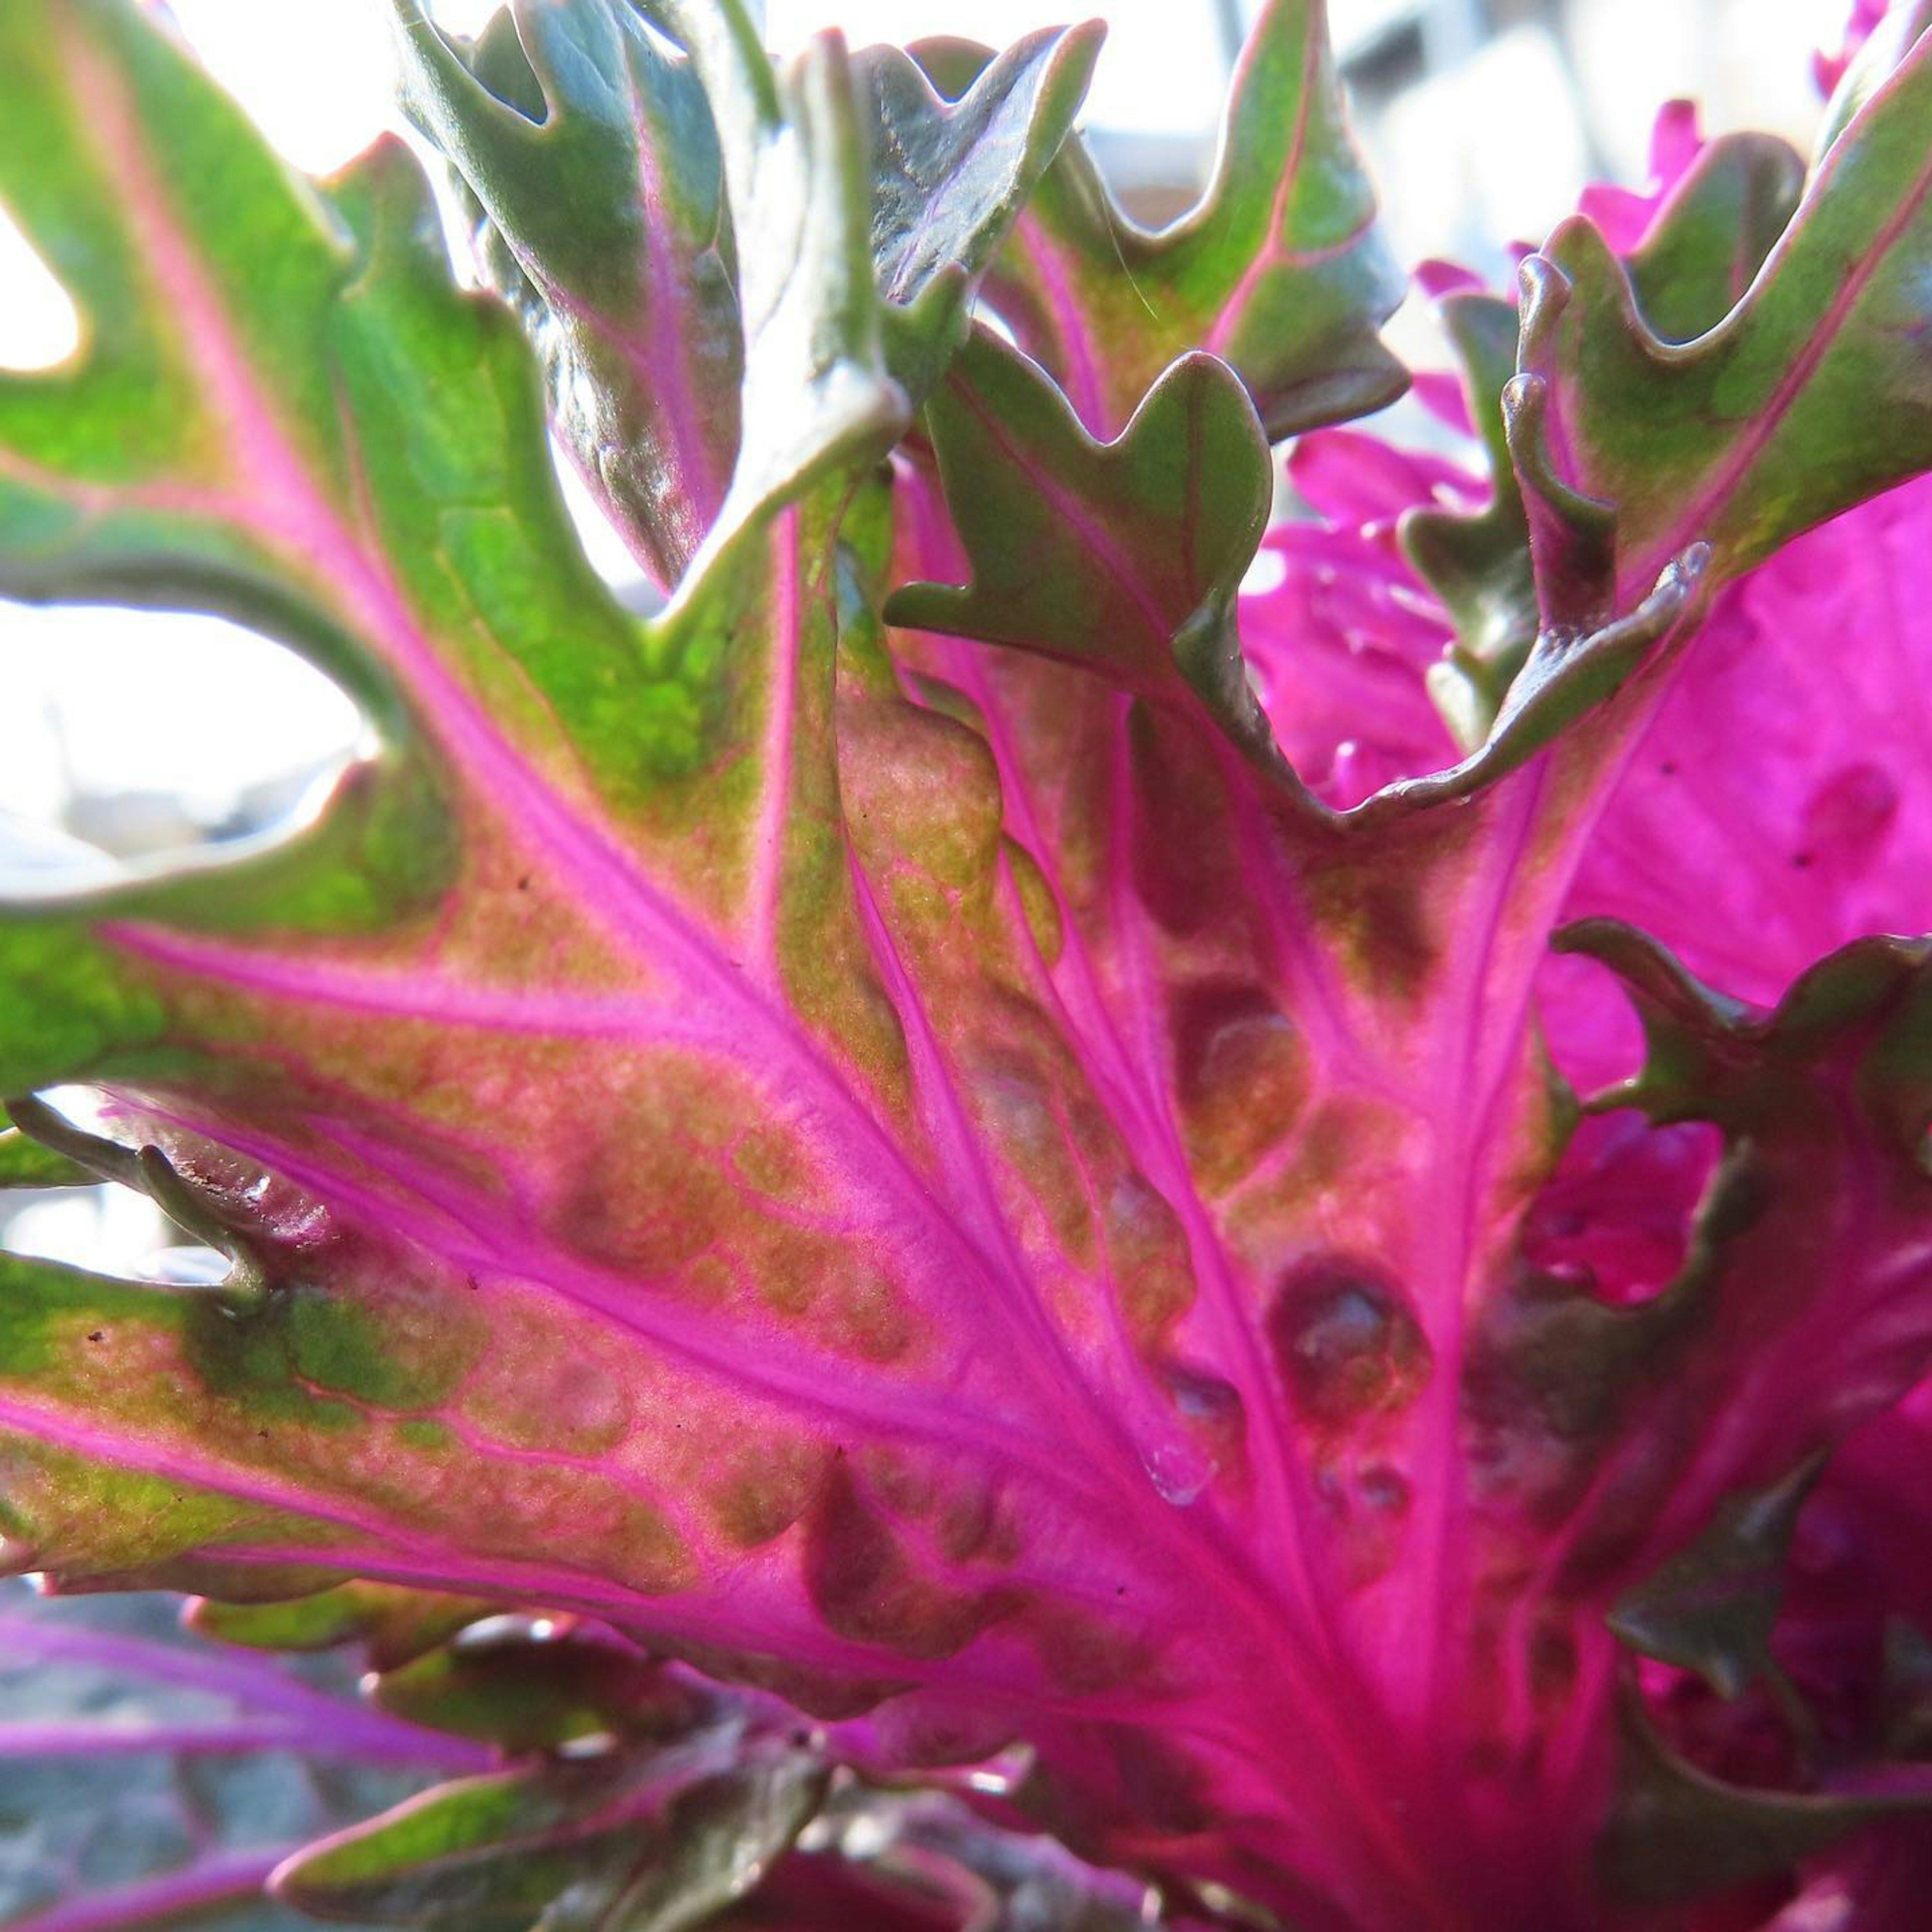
x=1072, y=543
x=590, y=154
x=652, y=1844
x=1711, y=1607
x=796, y=153
x=1811, y=395
x=950, y=177
x=1703, y=247
x=525, y=1694
x=1279, y=269
x=1678, y=1833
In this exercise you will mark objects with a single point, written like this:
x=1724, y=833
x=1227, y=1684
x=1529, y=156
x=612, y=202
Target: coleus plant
x=978, y=1230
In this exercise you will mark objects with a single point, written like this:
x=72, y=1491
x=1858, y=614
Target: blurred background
x=127, y=736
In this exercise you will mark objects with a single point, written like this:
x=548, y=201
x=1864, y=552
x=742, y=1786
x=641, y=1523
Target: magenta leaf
x=1805, y=827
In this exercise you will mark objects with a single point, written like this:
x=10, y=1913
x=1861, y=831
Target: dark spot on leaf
x=870, y=1587
x=96, y=1335
x=1164, y=1783
x=1397, y=945
x=1241, y=1074
x=1384, y=1490
x=1347, y=1344
x=1847, y=818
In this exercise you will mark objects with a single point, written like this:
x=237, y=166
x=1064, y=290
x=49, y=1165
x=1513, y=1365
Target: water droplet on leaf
x=1204, y=1398
x=1178, y=1472
x=1384, y=1490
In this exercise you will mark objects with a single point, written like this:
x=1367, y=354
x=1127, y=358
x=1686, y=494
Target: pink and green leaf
x=475, y=1253
x=1285, y=862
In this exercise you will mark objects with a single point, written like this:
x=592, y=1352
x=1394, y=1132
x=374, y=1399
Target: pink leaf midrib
x=675, y=397
x=1087, y=389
